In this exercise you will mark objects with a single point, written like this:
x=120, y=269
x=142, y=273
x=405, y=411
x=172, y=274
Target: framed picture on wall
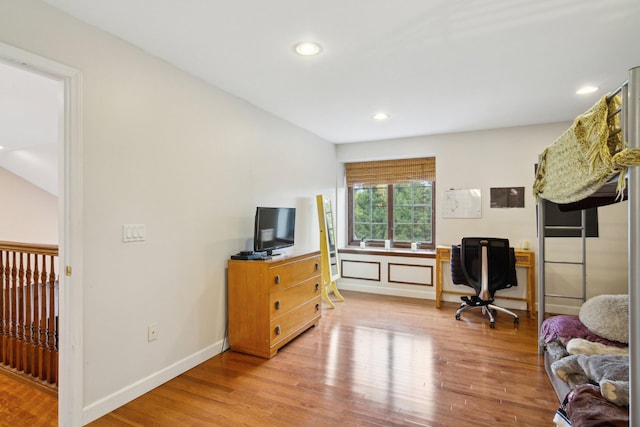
x=507, y=197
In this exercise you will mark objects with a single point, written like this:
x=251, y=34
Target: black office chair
x=486, y=264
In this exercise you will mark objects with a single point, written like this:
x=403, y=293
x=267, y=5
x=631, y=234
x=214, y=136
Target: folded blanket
x=589, y=348
x=610, y=371
x=584, y=157
x=587, y=408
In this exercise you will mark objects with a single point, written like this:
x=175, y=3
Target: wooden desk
x=524, y=258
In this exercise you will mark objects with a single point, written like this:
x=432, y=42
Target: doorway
x=69, y=189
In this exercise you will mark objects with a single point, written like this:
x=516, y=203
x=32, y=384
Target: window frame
x=351, y=241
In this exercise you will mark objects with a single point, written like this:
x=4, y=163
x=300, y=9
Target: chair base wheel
x=487, y=308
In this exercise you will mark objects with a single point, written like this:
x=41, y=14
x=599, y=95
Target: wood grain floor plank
x=372, y=361
x=25, y=404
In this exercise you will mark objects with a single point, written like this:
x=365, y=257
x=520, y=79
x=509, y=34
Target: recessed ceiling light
x=308, y=49
x=381, y=116
x=586, y=90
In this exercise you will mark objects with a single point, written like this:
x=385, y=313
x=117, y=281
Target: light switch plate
x=133, y=233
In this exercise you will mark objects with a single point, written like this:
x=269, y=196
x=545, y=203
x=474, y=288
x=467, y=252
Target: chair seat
x=476, y=301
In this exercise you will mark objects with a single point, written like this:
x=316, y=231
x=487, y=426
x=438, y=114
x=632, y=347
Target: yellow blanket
x=585, y=156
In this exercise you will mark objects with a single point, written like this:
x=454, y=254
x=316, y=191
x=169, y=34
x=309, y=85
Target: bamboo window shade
x=385, y=172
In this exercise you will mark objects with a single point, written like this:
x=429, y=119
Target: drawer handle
x=277, y=304
x=277, y=278
x=317, y=286
x=317, y=266
x=317, y=307
x=278, y=330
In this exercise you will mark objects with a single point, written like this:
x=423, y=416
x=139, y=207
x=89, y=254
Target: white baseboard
x=430, y=293
x=109, y=403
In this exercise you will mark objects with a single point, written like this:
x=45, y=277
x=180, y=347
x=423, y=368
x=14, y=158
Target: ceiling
x=30, y=114
x=435, y=66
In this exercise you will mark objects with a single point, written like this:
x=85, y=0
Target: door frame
x=70, y=353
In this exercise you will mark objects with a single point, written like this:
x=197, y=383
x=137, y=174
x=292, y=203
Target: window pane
x=403, y=215
x=422, y=194
x=370, y=212
x=422, y=215
x=379, y=232
x=403, y=233
x=362, y=231
x=412, y=212
x=402, y=192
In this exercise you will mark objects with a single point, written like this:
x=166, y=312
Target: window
x=394, y=200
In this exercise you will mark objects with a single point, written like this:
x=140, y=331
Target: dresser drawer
x=290, y=323
x=289, y=274
x=283, y=301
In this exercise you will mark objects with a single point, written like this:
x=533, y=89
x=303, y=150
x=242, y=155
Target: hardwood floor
x=372, y=361
x=23, y=403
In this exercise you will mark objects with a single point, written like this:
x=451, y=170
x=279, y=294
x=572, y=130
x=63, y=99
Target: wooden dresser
x=273, y=301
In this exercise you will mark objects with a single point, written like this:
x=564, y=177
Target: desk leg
x=438, y=283
x=531, y=287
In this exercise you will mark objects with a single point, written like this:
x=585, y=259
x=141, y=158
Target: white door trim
x=70, y=364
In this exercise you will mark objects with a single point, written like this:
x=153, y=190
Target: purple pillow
x=566, y=326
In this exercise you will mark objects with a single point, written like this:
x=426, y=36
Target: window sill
x=401, y=252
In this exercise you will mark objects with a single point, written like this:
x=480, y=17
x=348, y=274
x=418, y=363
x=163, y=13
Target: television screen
x=274, y=229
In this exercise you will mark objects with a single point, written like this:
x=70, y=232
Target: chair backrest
x=501, y=263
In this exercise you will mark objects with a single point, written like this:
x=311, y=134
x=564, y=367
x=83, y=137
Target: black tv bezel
x=269, y=250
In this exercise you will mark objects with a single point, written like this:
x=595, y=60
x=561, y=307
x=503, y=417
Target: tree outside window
x=412, y=212
x=370, y=212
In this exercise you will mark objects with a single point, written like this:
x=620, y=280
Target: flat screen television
x=274, y=229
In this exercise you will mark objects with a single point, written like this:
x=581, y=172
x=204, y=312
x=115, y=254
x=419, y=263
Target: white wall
x=29, y=214
x=506, y=158
x=190, y=162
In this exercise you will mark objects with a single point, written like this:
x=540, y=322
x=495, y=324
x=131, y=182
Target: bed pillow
x=607, y=316
x=567, y=326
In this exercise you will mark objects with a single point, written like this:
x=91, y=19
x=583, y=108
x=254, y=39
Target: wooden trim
x=32, y=248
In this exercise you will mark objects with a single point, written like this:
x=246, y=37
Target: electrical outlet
x=152, y=332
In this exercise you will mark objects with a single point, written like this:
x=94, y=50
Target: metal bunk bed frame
x=583, y=260
x=630, y=125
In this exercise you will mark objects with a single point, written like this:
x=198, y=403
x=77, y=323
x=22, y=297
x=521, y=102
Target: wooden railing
x=29, y=310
